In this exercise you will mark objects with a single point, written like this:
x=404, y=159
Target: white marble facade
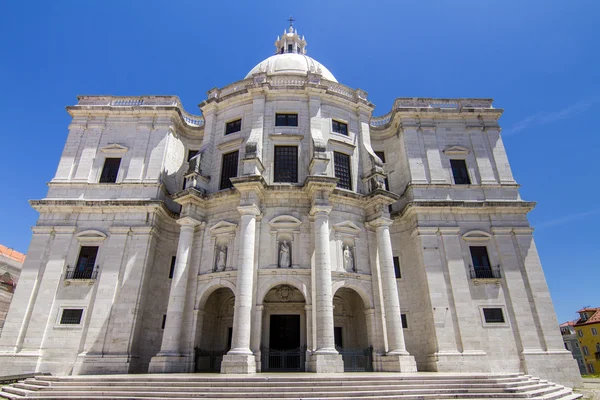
x=262, y=248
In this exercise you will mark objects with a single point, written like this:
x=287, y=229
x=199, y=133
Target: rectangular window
x=585, y=350
x=397, y=267
x=341, y=164
x=381, y=155
x=164, y=321
x=84, y=269
x=591, y=369
x=172, y=269
x=594, y=331
x=286, y=164
x=339, y=127
x=480, y=258
x=71, y=316
x=579, y=333
x=233, y=126
x=577, y=344
x=460, y=173
x=229, y=169
x=110, y=170
x=493, y=315
x=191, y=154
x=404, y=321
x=286, y=119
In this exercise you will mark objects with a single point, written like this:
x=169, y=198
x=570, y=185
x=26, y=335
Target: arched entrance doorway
x=214, y=340
x=350, y=330
x=283, y=340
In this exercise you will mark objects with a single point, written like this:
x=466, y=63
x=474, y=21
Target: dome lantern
x=290, y=41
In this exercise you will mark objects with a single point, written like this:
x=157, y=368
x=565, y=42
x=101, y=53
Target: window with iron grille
x=459, y=172
x=339, y=127
x=233, y=126
x=404, y=321
x=71, y=316
x=397, y=267
x=286, y=164
x=341, y=163
x=493, y=315
x=229, y=169
x=286, y=119
x=172, y=269
x=84, y=269
x=110, y=170
x=191, y=153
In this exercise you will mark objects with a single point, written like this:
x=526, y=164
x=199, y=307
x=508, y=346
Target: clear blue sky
x=539, y=60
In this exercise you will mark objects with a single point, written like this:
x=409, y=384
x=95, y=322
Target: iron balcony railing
x=484, y=272
x=73, y=273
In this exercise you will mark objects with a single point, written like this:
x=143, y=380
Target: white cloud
x=542, y=118
x=567, y=218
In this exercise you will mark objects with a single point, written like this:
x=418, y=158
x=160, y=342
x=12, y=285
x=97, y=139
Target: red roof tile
x=13, y=254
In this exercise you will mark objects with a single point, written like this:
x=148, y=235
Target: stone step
x=290, y=386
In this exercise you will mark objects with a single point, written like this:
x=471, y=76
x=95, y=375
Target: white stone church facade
x=284, y=219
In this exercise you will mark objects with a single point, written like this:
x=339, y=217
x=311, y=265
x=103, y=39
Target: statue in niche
x=221, y=258
x=285, y=261
x=349, y=259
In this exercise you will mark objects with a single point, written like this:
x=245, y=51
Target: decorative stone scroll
x=285, y=231
x=222, y=237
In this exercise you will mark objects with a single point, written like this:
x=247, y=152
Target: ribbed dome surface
x=291, y=63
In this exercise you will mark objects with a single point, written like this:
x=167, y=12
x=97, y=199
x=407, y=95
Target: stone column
x=169, y=358
x=240, y=359
x=325, y=358
x=397, y=359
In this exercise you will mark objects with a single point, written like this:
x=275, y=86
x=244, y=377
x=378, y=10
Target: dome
x=291, y=64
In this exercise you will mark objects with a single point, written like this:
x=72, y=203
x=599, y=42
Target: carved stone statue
x=285, y=261
x=348, y=259
x=221, y=259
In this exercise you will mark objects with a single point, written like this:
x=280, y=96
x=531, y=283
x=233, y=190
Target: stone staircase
x=290, y=386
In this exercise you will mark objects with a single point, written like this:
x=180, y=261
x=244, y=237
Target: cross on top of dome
x=290, y=41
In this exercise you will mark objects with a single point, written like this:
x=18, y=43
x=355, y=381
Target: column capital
x=319, y=209
x=189, y=221
x=380, y=222
x=249, y=210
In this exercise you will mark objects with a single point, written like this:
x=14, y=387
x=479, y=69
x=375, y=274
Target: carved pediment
x=456, y=150
x=347, y=227
x=285, y=222
x=476, y=235
x=222, y=227
x=90, y=235
x=114, y=148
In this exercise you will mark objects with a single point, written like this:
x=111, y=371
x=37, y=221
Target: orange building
x=11, y=262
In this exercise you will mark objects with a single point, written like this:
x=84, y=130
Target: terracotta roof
x=594, y=319
x=568, y=323
x=13, y=254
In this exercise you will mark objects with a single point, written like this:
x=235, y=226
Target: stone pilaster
x=397, y=359
x=170, y=359
x=240, y=359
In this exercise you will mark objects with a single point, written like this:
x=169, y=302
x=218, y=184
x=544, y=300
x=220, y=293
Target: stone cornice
x=100, y=206
x=454, y=206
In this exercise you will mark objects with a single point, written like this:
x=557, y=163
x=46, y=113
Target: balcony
x=484, y=273
x=74, y=274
